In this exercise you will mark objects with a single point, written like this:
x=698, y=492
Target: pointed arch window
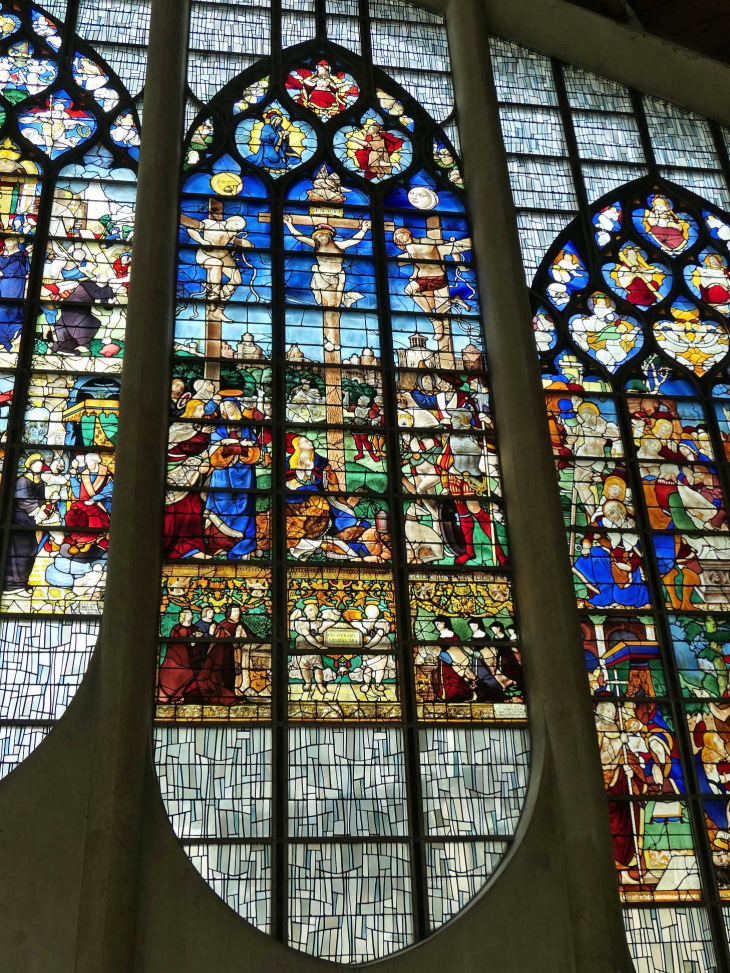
x=634, y=341
x=338, y=641
x=69, y=143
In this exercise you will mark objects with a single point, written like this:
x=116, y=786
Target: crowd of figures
x=638, y=415
x=223, y=450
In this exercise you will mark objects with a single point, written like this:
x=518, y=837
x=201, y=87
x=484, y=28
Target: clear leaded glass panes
x=227, y=36
x=411, y=46
x=631, y=305
x=341, y=732
x=119, y=32
x=68, y=149
x=537, y=152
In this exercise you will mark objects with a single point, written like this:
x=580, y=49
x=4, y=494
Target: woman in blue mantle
x=230, y=515
x=610, y=567
x=275, y=150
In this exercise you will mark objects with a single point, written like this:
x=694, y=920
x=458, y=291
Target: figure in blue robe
x=275, y=150
x=228, y=509
x=596, y=570
x=13, y=274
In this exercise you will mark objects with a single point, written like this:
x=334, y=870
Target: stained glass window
x=68, y=150
x=340, y=733
x=631, y=305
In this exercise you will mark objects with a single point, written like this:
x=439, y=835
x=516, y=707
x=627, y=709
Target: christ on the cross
x=328, y=273
x=329, y=279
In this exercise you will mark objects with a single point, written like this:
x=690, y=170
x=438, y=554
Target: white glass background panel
x=455, y=872
x=346, y=781
x=591, y=91
x=542, y=183
x=240, y=875
x=679, y=137
x=607, y=137
x=521, y=75
x=215, y=781
x=600, y=180
x=349, y=903
x=671, y=939
x=532, y=131
x=18, y=742
x=473, y=780
x=42, y=663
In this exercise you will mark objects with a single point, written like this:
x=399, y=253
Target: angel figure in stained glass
x=605, y=334
x=375, y=631
x=252, y=95
x=310, y=622
x=445, y=160
x=200, y=142
x=711, y=280
x=44, y=28
x=9, y=24
x=568, y=275
x=637, y=279
x=606, y=223
x=58, y=125
x=718, y=228
x=691, y=341
x=390, y=104
x=22, y=75
x=544, y=328
x=124, y=132
x=659, y=223
x=324, y=90
x=90, y=76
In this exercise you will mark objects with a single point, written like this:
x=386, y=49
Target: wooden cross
x=214, y=310
x=332, y=351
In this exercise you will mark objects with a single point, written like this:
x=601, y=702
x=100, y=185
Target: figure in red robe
x=373, y=150
x=176, y=680
x=183, y=526
x=218, y=675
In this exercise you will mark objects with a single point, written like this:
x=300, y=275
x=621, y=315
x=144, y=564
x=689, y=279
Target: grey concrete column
x=545, y=599
x=111, y=863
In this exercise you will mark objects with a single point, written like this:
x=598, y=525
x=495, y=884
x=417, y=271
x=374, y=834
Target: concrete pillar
x=111, y=861
x=544, y=595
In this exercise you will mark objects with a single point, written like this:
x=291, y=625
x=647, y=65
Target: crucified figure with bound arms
x=429, y=283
